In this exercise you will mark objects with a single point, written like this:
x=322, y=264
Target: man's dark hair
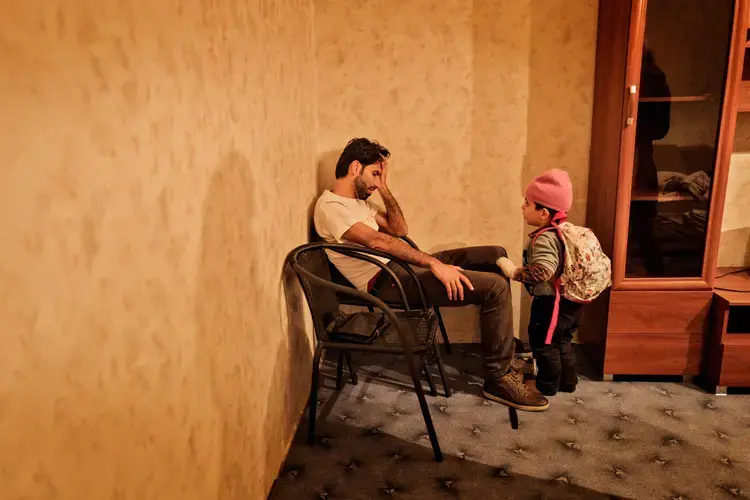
x=552, y=213
x=362, y=150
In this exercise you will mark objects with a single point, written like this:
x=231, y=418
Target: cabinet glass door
x=684, y=61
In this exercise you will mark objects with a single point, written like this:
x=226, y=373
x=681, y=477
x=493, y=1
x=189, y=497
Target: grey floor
x=636, y=440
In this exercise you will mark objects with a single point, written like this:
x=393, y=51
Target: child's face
x=533, y=216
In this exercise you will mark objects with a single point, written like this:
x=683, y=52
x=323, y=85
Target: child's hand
x=508, y=267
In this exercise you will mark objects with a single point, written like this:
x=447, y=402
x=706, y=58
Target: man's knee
x=501, y=252
x=497, y=289
x=489, y=253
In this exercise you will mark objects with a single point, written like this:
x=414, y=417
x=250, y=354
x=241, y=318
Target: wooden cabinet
x=649, y=334
x=727, y=348
x=667, y=87
x=743, y=99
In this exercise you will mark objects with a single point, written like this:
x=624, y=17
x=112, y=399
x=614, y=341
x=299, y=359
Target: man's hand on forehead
x=384, y=169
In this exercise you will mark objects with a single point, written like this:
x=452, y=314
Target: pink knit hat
x=552, y=189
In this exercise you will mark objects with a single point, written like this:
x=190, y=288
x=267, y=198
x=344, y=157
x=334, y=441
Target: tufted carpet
x=638, y=440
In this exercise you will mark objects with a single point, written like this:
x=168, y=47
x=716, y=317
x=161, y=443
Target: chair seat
x=374, y=328
x=348, y=300
x=393, y=304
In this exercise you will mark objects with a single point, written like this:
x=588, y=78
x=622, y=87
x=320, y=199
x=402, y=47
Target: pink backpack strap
x=540, y=232
x=561, y=216
x=555, y=314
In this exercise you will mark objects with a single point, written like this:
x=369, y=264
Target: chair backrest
x=322, y=300
x=336, y=275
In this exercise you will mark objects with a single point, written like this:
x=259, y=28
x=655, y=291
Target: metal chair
x=354, y=301
x=409, y=332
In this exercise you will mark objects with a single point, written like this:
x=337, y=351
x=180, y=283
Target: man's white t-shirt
x=334, y=215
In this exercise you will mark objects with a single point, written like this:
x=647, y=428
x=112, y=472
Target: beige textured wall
x=472, y=97
x=152, y=152
x=158, y=162
x=734, y=246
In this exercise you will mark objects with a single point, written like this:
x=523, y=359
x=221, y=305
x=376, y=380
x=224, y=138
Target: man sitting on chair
x=450, y=278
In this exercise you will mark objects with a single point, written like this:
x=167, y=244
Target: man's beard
x=360, y=190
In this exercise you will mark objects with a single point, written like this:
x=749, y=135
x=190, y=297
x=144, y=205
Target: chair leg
x=340, y=372
x=441, y=368
x=443, y=331
x=352, y=371
x=313, y=403
x=513, y=417
x=430, y=382
x=416, y=380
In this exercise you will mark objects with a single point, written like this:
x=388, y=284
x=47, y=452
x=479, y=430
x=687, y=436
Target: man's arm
x=392, y=221
x=534, y=273
x=450, y=276
x=366, y=236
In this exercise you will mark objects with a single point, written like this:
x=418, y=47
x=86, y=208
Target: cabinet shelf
x=680, y=98
x=660, y=197
x=737, y=339
x=728, y=281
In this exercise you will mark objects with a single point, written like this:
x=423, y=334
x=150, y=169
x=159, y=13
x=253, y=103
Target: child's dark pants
x=556, y=361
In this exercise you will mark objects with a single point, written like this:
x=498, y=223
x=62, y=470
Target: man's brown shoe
x=511, y=391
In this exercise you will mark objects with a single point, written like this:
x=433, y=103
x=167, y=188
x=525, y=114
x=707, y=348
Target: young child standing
x=548, y=199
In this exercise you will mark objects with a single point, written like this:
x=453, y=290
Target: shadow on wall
x=324, y=178
x=326, y=174
x=255, y=374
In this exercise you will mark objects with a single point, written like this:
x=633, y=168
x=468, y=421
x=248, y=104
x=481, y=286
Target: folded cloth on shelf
x=697, y=184
x=665, y=177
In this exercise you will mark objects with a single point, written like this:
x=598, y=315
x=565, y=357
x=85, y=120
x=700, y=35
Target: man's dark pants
x=491, y=293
